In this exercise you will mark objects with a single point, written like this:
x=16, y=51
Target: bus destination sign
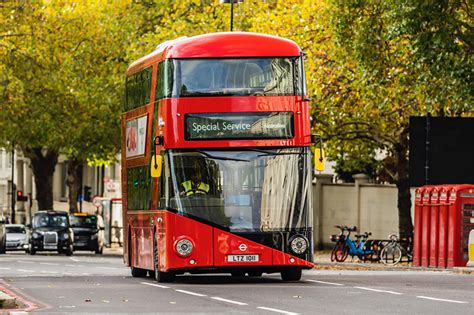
x=227, y=126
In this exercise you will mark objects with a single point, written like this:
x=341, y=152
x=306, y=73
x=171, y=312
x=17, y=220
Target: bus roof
x=226, y=44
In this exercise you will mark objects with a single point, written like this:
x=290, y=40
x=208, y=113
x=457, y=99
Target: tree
x=389, y=78
x=64, y=66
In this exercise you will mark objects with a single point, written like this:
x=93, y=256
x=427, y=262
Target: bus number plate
x=242, y=258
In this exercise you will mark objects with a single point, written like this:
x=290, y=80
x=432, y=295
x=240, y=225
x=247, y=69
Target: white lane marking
x=276, y=310
x=25, y=270
x=49, y=264
x=155, y=285
x=70, y=265
x=74, y=259
x=5, y=268
x=442, y=300
x=228, y=301
x=324, y=282
x=48, y=272
x=190, y=293
x=26, y=262
x=376, y=290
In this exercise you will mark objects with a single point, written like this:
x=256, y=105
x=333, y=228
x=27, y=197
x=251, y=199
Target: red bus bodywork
x=211, y=244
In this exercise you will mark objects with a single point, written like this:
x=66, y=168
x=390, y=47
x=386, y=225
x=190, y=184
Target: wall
x=370, y=207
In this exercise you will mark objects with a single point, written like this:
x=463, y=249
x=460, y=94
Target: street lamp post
x=231, y=11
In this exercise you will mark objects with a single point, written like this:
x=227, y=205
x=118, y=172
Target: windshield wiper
x=267, y=153
x=221, y=157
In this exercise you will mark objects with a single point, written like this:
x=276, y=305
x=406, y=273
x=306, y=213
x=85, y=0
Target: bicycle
x=345, y=246
x=394, y=251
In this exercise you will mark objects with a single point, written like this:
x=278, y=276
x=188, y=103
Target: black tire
x=160, y=276
x=342, y=251
x=291, y=275
x=99, y=250
x=69, y=251
x=255, y=273
x=138, y=272
x=3, y=246
x=391, y=254
x=237, y=274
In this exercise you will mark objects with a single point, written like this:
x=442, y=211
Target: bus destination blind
x=227, y=126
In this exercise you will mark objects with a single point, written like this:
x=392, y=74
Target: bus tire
x=255, y=273
x=291, y=275
x=138, y=272
x=160, y=276
x=237, y=274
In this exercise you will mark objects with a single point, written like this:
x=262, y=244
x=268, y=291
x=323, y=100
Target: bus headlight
x=65, y=236
x=184, y=247
x=298, y=244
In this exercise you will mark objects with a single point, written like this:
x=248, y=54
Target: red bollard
x=425, y=231
x=434, y=226
x=417, y=227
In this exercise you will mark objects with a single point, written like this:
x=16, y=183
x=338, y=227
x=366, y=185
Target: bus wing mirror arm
x=156, y=160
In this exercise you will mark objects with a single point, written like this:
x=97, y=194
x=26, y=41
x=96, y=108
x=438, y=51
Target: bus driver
x=194, y=186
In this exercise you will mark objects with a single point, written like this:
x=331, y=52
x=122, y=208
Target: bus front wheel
x=291, y=275
x=161, y=276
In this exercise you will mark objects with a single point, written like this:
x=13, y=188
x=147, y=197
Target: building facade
x=101, y=181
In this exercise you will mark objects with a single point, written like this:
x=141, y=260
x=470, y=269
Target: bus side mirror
x=156, y=166
x=319, y=159
x=318, y=152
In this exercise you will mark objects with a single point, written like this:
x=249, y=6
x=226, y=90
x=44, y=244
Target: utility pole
x=13, y=185
x=231, y=11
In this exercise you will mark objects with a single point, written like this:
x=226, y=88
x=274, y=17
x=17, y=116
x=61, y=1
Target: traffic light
x=87, y=193
x=20, y=196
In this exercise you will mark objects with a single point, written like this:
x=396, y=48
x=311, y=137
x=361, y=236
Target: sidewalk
x=114, y=250
x=322, y=260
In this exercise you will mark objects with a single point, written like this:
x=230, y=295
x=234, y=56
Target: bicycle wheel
x=333, y=253
x=391, y=254
x=341, y=252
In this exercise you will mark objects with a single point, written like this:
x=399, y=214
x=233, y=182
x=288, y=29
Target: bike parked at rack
x=395, y=250
x=345, y=246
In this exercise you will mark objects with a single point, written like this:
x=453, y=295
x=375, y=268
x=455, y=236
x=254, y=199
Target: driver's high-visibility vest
x=201, y=189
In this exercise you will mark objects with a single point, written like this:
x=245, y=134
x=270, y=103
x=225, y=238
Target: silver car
x=17, y=237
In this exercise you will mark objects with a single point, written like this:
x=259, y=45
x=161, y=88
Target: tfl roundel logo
x=243, y=247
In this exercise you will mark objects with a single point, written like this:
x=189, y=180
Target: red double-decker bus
x=216, y=166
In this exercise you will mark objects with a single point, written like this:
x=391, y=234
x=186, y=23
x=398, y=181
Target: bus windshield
x=245, y=190
x=228, y=77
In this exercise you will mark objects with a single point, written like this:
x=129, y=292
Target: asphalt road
x=101, y=284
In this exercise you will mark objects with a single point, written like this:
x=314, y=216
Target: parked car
x=88, y=232
x=17, y=237
x=3, y=236
x=51, y=231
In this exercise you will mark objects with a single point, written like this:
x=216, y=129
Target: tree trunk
x=74, y=182
x=405, y=224
x=43, y=169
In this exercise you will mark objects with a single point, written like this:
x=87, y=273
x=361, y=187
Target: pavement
x=90, y=283
x=322, y=260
